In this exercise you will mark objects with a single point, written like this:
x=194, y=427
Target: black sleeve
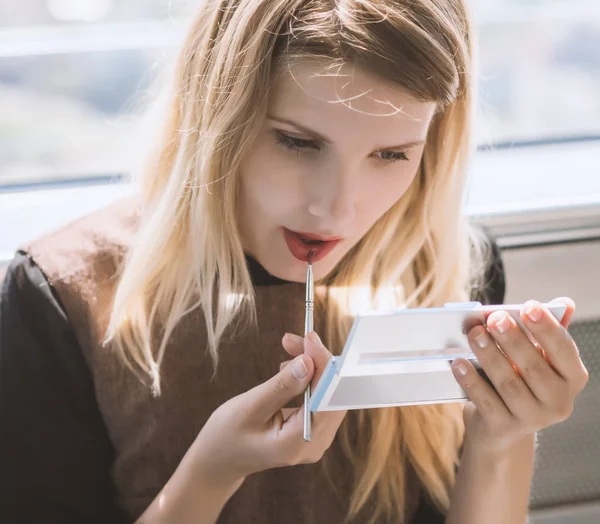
x=55, y=454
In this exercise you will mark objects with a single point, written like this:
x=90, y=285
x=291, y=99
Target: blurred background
x=72, y=70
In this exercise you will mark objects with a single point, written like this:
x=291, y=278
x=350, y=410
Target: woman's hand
x=249, y=433
x=252, y=432
x=536, y=384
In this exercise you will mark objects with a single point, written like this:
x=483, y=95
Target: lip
x=314, y=236
x=301, y=251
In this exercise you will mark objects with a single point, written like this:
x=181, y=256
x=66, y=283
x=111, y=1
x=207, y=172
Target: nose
x=333, y=198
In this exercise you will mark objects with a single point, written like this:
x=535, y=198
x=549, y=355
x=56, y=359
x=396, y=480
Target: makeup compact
x=403, y=357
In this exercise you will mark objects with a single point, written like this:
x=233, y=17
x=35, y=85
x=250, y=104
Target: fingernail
x=534, y=313
x=314, y=338
x=461, y=367
x=482, y=339
x=299, y=369
x=501, y=324
x=295, y=339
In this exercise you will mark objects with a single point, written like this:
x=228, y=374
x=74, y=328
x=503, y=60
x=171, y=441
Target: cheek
x=382, y=193
x=269, y=185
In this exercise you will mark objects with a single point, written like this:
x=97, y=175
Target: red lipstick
x=303, y=245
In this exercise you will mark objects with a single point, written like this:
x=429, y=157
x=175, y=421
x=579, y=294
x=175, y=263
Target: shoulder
x=82, y=245
x=81, y=262
x=36, y=336
x=25, y=287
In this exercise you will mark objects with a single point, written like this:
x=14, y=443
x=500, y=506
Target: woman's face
x=334, y=154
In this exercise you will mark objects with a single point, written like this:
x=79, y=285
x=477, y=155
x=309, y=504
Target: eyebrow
x=323, y=138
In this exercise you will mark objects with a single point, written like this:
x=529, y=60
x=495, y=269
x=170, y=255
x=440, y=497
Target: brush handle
x=308, y=327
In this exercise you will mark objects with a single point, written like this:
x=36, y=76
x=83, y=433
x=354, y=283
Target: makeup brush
x=308, y=327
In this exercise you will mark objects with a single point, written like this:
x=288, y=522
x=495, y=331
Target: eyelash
x=296, y=145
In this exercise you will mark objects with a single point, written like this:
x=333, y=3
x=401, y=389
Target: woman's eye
x=295, y=144
x=392, y=156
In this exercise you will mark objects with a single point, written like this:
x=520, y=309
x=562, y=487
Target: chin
x=294, y=270
x=320, y=269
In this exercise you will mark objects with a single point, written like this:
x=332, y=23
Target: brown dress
x=97, y=444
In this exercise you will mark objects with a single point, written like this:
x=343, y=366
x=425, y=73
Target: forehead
x=314, y=91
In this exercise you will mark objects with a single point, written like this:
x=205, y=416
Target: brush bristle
x=311, y=254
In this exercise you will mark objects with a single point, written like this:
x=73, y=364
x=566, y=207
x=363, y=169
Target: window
x=72, y=70
x=539, y=69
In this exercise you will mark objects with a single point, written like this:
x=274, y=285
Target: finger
x=284, y=363
x=527, y=356
x=510, y=385
x=293, y=344
x=288, y=412
x=324, y=427
x=323, y=424
x=266, y=399
x=559, y=347
x=315, y=349
x=488, y=402
x=320, y=355
x=567, y=317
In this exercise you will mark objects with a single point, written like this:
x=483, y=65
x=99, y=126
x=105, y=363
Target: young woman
x=141, y=373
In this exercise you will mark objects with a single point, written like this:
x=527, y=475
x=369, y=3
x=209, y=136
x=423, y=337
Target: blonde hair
x=189, y=254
